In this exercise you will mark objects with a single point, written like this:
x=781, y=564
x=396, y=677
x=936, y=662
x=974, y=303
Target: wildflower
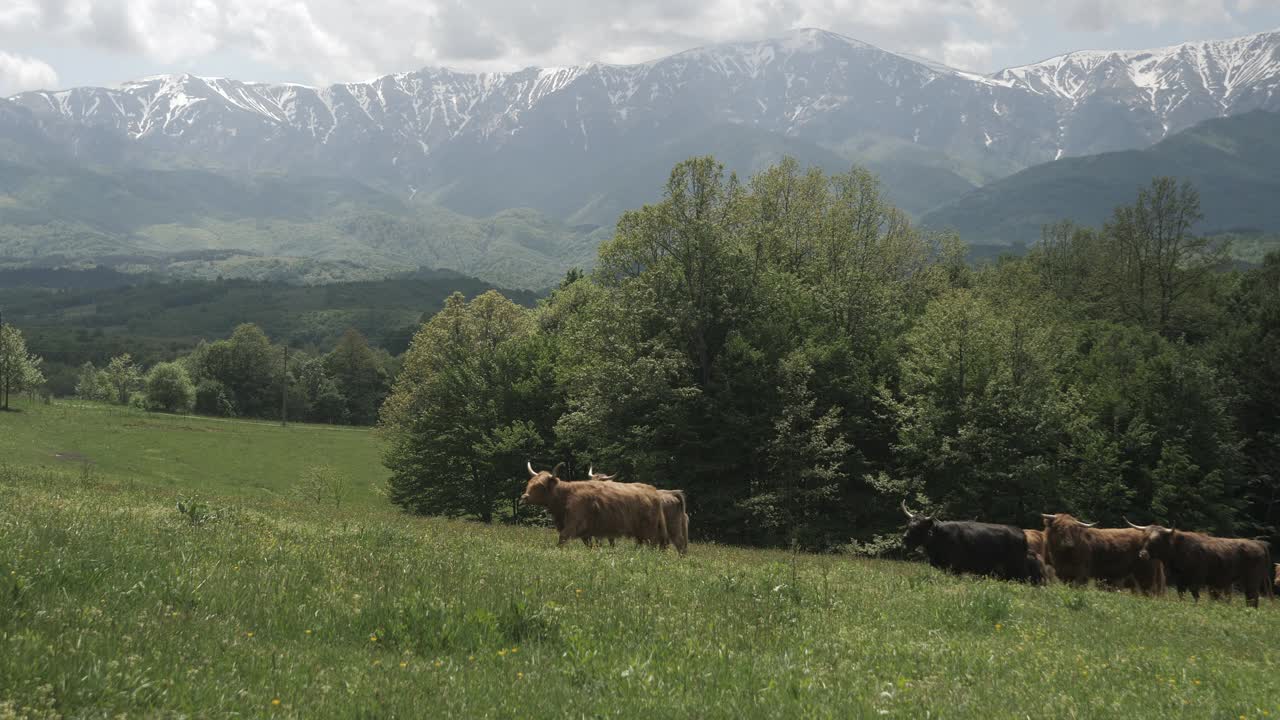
x=373, y=638
x=519, y=676
x=439, y=663
x=471, y=658
x=578, y=591
x=515, y=649
x=404, y=664
x=502, y=653
x=998, y=626
x=308, y=631
x=249, y=634
x=275, y=701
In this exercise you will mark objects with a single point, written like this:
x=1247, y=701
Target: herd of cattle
x=1143, y=558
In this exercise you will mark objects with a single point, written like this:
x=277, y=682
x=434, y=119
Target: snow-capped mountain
x=548, y=137
x=1159, y=92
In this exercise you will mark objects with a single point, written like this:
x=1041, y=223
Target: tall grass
x=112, y=601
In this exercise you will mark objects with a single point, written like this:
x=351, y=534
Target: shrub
x=169, y=389
x=212, y=399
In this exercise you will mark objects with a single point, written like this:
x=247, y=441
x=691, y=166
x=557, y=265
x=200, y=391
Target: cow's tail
x=680, y=494
x=1269, y=578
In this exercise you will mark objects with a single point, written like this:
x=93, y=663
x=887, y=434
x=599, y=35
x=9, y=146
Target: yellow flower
x=519, y=676
x=275, y=701
x=998, y=626
x=515, y=649
x=308, y=631
x=471, y=658
x=249, y=634
x=404, y=664
x=373, y=638
x=579, y=591
x=439, y=663
x=502, y=653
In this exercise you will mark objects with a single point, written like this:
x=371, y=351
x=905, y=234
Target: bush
x=322, y=484
x=169, y=389
x=212, y=399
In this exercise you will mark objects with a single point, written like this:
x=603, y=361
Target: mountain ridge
x=447, y=132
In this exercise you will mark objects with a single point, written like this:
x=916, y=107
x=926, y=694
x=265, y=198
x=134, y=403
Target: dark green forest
x=798, y=357
x=73, y=317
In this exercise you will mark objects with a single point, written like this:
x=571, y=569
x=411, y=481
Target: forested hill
x=1234, y=162
x=158, y=320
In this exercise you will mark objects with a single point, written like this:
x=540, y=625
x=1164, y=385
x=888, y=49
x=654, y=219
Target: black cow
x=972, y=547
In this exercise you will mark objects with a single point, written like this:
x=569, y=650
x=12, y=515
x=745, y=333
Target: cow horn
x=591, y=471
x=905, y=510
x=1048, y=516
x=559, y=468
x=1082, y=523
x=607, y=478
x=532, y=472
x=1137, y=527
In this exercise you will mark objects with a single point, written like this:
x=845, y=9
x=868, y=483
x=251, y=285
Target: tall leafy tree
x=123, y=376
x=464, y=413
x=19, y=369
x=360, y=375
x=1156, y=260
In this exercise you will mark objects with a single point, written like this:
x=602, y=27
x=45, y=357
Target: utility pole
x=284, y=390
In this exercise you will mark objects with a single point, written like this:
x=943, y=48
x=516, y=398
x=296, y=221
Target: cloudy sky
x=63, y=43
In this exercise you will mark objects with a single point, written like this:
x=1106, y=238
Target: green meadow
x=261, y=602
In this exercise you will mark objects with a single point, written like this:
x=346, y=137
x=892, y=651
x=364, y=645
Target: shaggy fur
x=972, y=547
x=1079, y=554
x=593, y=509
x=1200, y=560
x=673, y=510
x=1035, y=545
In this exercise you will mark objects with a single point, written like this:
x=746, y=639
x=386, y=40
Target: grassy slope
x=255, y=461
x=115, y=603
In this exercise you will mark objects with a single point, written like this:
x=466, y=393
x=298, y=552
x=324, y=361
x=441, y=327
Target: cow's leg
x=1195, y=593
x=565, y=536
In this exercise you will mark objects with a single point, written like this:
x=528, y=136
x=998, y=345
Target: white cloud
x=967, y=54
x=19, y=73
x=335, y=40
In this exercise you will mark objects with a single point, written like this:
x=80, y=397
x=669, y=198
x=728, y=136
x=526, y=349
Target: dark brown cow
x=1198, y=560
x=1080, y=552
x=673, y=510
x=1035, y=545
x=593, y=509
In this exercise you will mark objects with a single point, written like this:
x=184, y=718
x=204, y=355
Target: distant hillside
x=69, y=318
x=1234, y=163
x=278, y=227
